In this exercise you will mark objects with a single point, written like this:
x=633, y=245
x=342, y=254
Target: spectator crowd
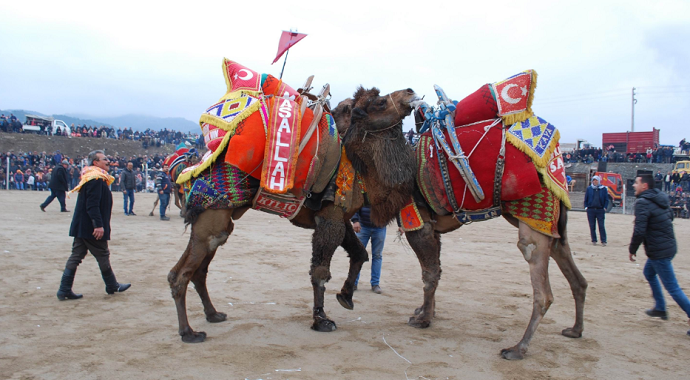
x=32, y=171
x=660, y=155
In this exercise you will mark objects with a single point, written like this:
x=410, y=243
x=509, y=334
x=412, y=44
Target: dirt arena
x=260, y=279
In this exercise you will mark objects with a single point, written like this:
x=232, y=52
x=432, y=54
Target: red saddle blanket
x=520, y=178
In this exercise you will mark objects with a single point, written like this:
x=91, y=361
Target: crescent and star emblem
x=506, y=97
x=247, y=76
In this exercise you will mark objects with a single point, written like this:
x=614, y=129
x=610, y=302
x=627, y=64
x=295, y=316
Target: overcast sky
x=164, y=60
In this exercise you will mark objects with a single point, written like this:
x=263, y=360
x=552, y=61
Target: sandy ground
x=260, y=279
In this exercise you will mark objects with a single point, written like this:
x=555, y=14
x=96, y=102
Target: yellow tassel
x=539, y=162
x=558, y=191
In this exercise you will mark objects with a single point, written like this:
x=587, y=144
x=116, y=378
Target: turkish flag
x=287, y=40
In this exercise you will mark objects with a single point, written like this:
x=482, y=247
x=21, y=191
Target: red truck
x=631, y=142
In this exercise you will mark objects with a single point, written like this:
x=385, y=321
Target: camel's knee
x=178, y=284
x=320, y=276
x=527, y=247
x=430, y=279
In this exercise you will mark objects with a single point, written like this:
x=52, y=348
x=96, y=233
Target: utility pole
x=632, y=121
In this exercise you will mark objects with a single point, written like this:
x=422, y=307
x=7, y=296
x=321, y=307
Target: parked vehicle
x=631, y=142
x=682, y=166
x=39, y=124
x=614, y=182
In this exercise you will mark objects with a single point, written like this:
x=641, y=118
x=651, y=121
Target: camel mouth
x=416, y=101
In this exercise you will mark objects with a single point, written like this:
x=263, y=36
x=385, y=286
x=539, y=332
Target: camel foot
x=571, y=333
x=194, y=337
x=151, y=213
x=418, y=322
x=323, y=325
x=512, y=353
x=418, y=310
x=345, y=301
x=217, y=317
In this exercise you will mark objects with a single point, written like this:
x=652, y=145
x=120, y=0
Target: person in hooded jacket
x=654, y=229
x=596, y=202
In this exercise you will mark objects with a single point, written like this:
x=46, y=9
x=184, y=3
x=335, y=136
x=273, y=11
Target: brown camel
x=535, y=247
x=388, y=184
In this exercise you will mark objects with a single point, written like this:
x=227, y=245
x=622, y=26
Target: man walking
x=164, y=191
x=58, y=187
x=596, y=202
x=91, y=226
x=654, y=229
x=128, y=182
x=365, y=230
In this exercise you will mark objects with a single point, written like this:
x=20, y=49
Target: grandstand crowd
x=31, y=171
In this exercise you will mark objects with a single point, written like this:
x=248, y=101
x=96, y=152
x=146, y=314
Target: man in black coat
x=128, y=184
x=654, y=229
x=91, y=227
x=58, y=186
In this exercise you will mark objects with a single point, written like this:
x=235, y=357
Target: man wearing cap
x=58, y=187
x=596, y=202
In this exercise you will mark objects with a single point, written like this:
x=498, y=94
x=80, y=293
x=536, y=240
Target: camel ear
x=358, y=114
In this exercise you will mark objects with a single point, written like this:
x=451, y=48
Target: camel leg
x=578, y=285
x=358, y=256
x=199, y=280
x=536, y=249
x=154, y=205
x=208, y=233
x=328, y=235
x=426, y=244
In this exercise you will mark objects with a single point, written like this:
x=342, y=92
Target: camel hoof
x=194, y=337
x=323, y=325
x=418, y=323
x=571, y=333
x=345, y=301
x=511, y=354
x=217, y=317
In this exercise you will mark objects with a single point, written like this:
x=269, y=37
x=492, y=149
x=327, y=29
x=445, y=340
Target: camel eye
x=381, y=102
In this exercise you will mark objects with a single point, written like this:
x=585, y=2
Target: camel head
x=374, y=140
x=341, y=115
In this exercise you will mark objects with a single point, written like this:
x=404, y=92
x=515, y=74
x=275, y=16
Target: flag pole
x=286, y=54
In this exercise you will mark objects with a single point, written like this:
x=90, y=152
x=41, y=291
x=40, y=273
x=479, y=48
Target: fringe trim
x=230, y=128
x=558, y=191
x=526, y=114
x=539, y=162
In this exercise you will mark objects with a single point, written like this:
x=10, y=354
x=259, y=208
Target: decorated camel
x=181, y=159
x=500, y=160
x=276, y=149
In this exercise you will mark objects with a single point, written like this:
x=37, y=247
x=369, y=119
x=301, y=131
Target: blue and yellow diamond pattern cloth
x=536, y=134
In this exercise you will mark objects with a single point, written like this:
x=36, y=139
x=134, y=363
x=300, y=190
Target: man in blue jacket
x=91, y=226
x=596, y=202
x=654, y=229
x=164, y=190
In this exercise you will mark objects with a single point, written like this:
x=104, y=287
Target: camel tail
x=192, y=215
x=562, y=223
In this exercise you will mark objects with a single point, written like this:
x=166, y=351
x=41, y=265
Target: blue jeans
x=129, y=194
x=664, y=270
x=378, y=237
x=60, y=195
x=165, y=200
x=596, y=216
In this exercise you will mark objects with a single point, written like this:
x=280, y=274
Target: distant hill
x=136, y=122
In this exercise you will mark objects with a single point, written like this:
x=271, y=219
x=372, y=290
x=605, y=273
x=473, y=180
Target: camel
x=388, y=183
x=535, y=247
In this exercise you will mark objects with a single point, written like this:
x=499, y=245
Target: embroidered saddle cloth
x=235, y=130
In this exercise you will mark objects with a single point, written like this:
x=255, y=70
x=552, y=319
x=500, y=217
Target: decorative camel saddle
x=267, y=144
x=524, y=177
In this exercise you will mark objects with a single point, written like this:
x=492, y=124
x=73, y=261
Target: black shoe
x=111, y=284
x=65, y=210
x=657, y=314
x=43, y=208
x=65, y=291
x=132, y=214
x=354, y=288
x=164, y=218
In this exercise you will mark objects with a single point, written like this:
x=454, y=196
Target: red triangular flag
x=287, y=40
